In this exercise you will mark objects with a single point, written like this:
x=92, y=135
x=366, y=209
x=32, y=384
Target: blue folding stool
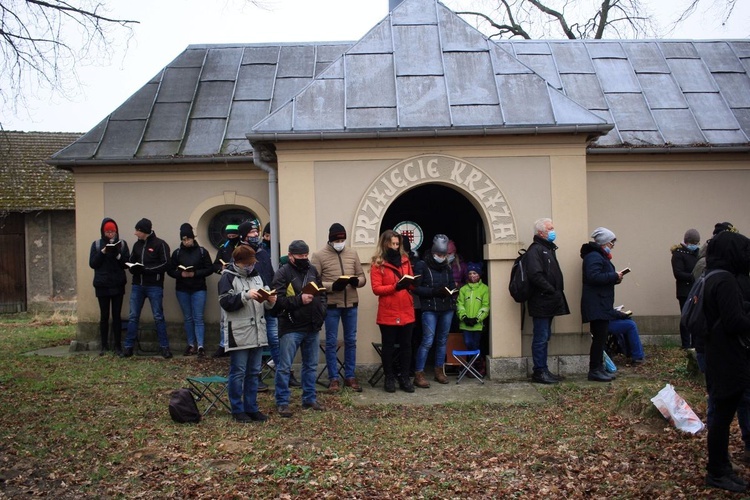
x=468, y=365
x=212, y=389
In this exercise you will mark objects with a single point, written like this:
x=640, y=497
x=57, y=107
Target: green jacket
x=473, y=302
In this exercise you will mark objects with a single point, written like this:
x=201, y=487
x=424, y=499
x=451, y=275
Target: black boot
x=390, y=383
x=405, y=384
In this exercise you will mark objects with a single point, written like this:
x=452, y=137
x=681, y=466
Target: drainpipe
x=273, y=201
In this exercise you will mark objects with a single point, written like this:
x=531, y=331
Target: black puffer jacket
x=195, y=256
x=109, y=267
x=430, y=286
x=153, y=253
x=294, y=316
x=683, y=263
x=547, y=296
x=725, y=306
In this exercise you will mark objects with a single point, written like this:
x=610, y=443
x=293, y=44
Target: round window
x=232, y=216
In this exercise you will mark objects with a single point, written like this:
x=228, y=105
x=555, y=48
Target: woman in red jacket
x=395, y=306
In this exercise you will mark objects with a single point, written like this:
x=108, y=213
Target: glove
x=401, y=285
x=470, y=321
x=136, y=270
x=337, y=287
x=354, y=281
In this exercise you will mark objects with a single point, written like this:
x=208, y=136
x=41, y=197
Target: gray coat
x=244, y=321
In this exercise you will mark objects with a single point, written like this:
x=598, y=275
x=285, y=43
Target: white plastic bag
x=676, y=410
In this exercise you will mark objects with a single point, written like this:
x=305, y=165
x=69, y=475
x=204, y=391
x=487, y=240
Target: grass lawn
x=90, y=426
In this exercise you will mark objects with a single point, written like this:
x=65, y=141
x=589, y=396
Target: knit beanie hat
x=440, y=244
x=451, y=247
x=186, y=231
x=246, y=227
x=692, y=236
x=109, y=226
x=474, y=266
x=232, y=229
x=267, y=228
x=336, y=232
x=144, y=226
x=298, y=247
x=602, y=236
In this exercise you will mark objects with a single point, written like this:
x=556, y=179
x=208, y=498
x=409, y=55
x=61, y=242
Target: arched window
x=220, y=221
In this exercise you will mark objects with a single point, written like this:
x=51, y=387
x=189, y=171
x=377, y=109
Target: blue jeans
x=193, y=304
x=627, y=329
x=272, y=331
x=435, y=327
x=472, y=340
x=539, y=342
x=348, y=316
x=138, y=296
x=244, y=367
x=288, y=345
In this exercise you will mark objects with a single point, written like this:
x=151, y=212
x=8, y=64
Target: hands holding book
x=342, y=281
x=261, y=295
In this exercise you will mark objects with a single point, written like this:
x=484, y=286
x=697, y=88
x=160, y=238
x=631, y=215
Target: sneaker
x=543, y=378
x=189, y=351
x=726, y=482
x=219, y=352
x=284, y=411
x=166, y=353
x=313, y=406
x=242, y=418
x=293, y=382
x=201, y=352
x=127, y=352
x=257, y=416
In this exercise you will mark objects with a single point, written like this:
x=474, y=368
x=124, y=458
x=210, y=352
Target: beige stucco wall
x=168, y=195
x=322, y=183
x=649, y=201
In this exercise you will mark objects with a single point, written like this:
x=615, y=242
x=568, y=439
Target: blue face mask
x=692, y=247
x=607, y=250
x=551, y=236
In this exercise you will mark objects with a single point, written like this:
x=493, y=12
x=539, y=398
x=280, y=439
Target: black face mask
x=302, y=264
x=393, y=256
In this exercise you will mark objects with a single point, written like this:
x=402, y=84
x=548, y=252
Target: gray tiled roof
x=27, y=183
x=423, y=70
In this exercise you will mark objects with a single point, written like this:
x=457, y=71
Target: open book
x=346, y=280
x=265, y=294
x=133, y=264
x=620, y=309
x=409, y=279
x=313, y=289
x=185, y=268
x=447, y=292
x=111, y=247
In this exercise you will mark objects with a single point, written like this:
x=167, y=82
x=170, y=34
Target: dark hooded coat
x=109, y=267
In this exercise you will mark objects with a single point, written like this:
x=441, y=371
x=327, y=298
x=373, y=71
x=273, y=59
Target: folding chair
x=212, y=389
x=340, y=366
x=267, y=369
x=455, y=342
x=379, y=372
x=468, y=364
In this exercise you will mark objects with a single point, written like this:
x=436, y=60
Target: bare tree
x=42, y=40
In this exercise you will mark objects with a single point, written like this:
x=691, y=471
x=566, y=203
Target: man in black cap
x=148, y=263
x=341, y=273
x=301, y=308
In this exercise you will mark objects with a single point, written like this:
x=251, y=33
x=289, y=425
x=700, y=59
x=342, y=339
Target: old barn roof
x=423, y=70
x=27, y=183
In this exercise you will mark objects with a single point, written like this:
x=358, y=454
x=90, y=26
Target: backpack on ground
x=692, y=318
x=183, y=408
x=519, y=286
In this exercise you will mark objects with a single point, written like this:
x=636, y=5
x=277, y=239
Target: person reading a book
x=435, y=289
x=341, y=274
x=190, y=265
x=148, y=264
x=107, y=258
x=300, y=316
x=395, y=316
x=223, y=258
x=244, y=332
x=472, y=308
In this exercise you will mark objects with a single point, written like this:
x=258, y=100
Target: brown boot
x=440, y=375
x=334, y=386
x=353, y=384
x=420, y=380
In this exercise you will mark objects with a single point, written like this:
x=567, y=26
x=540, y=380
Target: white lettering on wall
x=424, y=169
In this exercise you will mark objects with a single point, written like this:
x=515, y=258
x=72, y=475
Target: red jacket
x=394, y=307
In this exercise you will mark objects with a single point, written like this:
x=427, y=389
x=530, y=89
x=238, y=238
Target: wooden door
x=12, y=264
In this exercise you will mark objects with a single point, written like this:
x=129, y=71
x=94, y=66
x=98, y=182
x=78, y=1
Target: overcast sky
x=167, y=27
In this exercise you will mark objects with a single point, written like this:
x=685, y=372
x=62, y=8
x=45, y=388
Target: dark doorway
x=12, y=264
x=440, y=209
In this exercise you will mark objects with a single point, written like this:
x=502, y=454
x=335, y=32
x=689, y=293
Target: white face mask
x=339, y=246
x=439, y=260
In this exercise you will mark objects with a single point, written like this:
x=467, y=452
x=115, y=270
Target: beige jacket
x=331, y=265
